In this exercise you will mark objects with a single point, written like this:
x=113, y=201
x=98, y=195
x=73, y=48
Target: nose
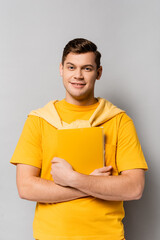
x=78, y=74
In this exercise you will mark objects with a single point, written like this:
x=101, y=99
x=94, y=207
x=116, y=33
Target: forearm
x=46, y=191
x=113, y=188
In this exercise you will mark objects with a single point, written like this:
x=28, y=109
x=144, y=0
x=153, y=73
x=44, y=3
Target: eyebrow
x=86, y=65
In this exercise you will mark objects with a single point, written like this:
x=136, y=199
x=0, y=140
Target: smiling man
x=71, y=205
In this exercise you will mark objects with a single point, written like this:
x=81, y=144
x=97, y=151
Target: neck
x=81, y=102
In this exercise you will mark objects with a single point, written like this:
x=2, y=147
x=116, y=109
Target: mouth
x=78, y=85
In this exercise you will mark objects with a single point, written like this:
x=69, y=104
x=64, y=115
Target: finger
x=105, y=174
x=101, y=170
x=108, y=168
x=55, y=160
x=108, y=173
x=105, y=169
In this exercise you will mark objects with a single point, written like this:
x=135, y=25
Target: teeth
x=78, y=84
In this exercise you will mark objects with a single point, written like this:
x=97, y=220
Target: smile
x=78, y=85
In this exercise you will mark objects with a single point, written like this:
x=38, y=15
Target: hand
x=61, y=171
x=104, y=171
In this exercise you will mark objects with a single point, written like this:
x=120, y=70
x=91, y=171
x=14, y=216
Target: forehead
x=81, y=59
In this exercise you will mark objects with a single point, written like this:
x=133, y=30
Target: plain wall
x=33, y=34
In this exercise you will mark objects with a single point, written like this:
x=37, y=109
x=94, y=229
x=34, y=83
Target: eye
x=70, y=67
x=88, y=69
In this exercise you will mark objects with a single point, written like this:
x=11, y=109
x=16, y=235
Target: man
x=71, y=205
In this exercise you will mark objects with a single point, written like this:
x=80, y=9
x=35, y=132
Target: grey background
x=32, y=36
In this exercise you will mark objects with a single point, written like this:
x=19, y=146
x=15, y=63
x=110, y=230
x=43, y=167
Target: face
x=79, y=73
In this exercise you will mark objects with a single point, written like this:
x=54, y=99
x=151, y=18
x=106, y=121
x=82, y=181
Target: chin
x=79, y=95
x=76, y=95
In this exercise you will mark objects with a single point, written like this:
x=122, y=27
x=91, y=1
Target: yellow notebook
x=83, y=148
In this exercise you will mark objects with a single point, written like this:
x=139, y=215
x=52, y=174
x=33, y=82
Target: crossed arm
x=69, y=184
x=33, y=188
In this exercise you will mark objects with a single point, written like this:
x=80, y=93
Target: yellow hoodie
x=104, y=112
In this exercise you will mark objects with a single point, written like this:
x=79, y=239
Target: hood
x=104, y=112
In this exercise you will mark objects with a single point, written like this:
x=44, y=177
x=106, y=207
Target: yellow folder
x=83, y=148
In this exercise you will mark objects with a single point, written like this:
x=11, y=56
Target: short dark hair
x=81, y=45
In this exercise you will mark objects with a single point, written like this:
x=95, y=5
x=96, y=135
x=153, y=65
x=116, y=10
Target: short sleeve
x=129, y=152
x=29, y=148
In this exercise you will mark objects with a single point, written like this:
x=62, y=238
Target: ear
x=61, y=69
x=99, y=72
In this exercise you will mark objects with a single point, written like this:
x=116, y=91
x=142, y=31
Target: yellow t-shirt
x=87, y=218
